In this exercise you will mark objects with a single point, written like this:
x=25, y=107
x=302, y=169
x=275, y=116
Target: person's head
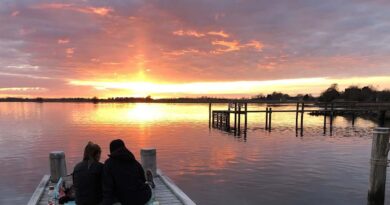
x=92, y=152
x=116, y=144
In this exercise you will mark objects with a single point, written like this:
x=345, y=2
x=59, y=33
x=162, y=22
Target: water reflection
x=211, y=166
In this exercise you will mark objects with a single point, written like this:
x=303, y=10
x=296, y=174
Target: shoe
x=149, y=178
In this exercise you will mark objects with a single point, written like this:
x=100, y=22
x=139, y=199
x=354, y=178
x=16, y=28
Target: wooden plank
x=35, y=198
x=176, y=190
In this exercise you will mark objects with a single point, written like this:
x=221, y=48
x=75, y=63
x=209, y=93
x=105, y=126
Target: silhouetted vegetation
x=354, y=93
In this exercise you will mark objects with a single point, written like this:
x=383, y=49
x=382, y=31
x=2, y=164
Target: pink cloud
x=63, y=41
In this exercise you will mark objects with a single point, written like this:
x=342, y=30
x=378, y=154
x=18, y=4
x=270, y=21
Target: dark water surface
x=211, y=166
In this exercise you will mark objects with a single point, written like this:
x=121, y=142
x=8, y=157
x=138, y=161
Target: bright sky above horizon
x=178, y=48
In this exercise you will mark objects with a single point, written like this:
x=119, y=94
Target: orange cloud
x=200, y=34
x=235, y=45
x=255, y=44
x=229, y=45
x=218, y=33
x=23, y=89
x=181, y=52
x=188, y=33
x=101, y=11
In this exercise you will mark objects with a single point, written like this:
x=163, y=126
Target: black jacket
x=124, y=180
x=87, y=182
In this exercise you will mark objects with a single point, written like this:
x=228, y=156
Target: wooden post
x=57, y=165
x=246, y=117
x=379, y=152
x=302, y=114
x=266, y=118
x=228, y=121
x=331, y=119
x=149, y=160
x=325, y=112
x=220, y=120
x=235, y=119
x=382, y=118
x=239, y=120
x=213, y=120
x=209, y=115
x=270, y=119
x=296, y=117
x=353, y=114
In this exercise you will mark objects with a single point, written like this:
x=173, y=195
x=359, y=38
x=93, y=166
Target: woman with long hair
x=87, y=176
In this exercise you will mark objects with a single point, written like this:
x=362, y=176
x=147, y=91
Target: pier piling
x=296, y=117
x=210, y=115
x=246, y=117
x=302, y=113
x=331, y=119
x=57, y=165
x=239, y=120
x=325, y=112
x=266, y=118
x=235, y=119
x=379, y=153
x=149, y=160
x=270, y=119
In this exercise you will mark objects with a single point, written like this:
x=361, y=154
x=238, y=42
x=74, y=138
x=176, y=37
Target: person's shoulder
x=79, y=166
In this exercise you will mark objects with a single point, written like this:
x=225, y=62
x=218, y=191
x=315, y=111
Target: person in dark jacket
x=124, y=178
x=87, y=177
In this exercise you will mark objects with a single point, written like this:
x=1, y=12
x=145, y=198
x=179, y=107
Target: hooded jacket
x=124, y=180
x=87, y=180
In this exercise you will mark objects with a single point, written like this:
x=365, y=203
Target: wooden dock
x=221, y=119
x=166, y=192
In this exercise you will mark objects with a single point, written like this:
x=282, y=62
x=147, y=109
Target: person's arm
x=141, y=171
x=108, y=186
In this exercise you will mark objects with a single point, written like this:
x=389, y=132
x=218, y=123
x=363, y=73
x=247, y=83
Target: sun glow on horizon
x=292, y=86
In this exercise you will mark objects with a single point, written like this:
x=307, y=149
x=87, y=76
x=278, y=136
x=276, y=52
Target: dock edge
x=175, y=189
x=34, y=200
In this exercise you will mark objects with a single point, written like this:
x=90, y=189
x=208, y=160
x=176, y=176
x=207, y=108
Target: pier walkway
x=166, y=192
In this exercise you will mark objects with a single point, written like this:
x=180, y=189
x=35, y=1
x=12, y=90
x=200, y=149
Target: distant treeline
x=352, y=93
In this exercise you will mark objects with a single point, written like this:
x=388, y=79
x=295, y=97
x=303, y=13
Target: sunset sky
x=178, y=48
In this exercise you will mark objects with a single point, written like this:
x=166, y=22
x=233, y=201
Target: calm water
x=212, y=167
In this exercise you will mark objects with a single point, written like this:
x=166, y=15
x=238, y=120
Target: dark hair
x=116, y=144
x=92, y=151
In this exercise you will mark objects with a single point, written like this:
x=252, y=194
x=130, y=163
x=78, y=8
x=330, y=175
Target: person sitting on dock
x=87, y=177
x=124, y=178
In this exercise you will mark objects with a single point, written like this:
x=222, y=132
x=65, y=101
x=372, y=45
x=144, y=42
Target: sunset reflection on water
x=211, y=166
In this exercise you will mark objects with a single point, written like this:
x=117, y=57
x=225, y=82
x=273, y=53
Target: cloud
x=63, y=41
x=228, y=45
x=15, y=13
x=235, y=45
x=69, y=52
x=218, y=33
x=198, y=34
x=101, y=11
x=190, y=41
x=188, y=33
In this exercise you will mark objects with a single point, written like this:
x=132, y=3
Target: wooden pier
x=221, y=119
x=166, y=191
